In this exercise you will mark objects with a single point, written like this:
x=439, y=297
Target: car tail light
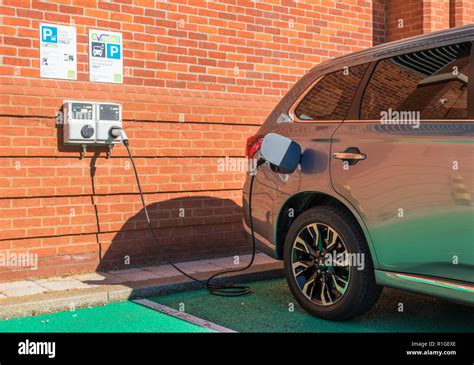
x=253, y=145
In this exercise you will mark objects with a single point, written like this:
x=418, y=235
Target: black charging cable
x=227, y=289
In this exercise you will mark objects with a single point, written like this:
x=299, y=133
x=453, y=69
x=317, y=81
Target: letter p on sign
x=113, y=51
x=49, y=34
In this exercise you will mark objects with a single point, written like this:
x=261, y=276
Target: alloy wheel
x=320, y=264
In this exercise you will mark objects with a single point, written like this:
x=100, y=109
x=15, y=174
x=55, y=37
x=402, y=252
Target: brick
x=71, y=9
x=14, y=41
x=32, y=14
x=54, y=17
x=102, y=14
x=17, y=3
x=44, y=5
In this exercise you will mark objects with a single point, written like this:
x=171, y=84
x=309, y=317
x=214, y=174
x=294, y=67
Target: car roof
x=412, y=44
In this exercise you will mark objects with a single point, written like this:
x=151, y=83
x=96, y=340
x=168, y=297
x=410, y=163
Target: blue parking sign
x=113, y=51
x=49, y=34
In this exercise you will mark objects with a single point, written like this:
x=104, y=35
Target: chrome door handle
x=349, y=156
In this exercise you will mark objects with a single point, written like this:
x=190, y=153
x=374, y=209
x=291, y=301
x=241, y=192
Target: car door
x=309, y=114
x=407, y=163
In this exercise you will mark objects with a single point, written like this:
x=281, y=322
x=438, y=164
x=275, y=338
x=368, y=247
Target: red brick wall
x=197, y=45
x=220, y=65
x=404, y=19
x=436, y=15
x=200, y=78
x=408, y=18
x=461, y=12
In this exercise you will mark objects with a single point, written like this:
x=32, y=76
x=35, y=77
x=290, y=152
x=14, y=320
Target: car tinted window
x=331, y=97
x=432, y=83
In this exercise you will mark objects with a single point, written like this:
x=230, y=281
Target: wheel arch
x=305, y=200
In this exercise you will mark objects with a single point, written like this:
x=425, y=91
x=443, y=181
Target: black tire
x=361, y=291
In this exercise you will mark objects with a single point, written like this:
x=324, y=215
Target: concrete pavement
x=38, y=296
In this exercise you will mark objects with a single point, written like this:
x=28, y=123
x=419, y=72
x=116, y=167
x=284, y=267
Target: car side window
x=331, y=97
x=432, y=83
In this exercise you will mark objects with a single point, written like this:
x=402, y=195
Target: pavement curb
x=79, y=298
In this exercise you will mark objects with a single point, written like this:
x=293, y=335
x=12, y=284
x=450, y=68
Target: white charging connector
x=119, y=132
x=123, y=135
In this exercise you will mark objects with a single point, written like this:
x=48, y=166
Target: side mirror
x=282, y=153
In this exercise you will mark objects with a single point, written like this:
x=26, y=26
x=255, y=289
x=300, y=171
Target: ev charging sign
x=58, y=51
x=105, y=56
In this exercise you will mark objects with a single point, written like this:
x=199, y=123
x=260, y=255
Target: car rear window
x=331, y=97
x=432, y=82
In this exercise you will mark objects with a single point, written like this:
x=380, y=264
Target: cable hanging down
x=228, y=289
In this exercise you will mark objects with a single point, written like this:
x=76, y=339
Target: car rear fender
x=302, y=201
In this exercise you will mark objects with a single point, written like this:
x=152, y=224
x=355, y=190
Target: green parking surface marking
x=114, y=317
x=267, y=310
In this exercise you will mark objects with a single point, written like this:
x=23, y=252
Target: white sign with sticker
x=105, y=56
x=58, y=51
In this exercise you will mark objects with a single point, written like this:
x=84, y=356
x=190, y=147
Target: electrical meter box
x=109, y=116
x=89, y=123
x=79, y=122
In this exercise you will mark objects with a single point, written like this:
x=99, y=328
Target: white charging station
x=90, y=123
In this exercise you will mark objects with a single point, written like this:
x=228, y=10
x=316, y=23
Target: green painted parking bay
x=271, y=308
x=113, y=317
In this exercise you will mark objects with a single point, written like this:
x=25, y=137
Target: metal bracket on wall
x=83, y=151
x=109, y=151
